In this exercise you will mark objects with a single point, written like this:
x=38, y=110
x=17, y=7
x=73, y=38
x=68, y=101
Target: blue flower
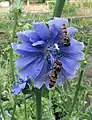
x=40, y=49
x=20, y=85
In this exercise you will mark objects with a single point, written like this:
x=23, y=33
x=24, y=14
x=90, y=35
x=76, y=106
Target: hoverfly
x=64, y=36
x=55, y=71
x=54, y=74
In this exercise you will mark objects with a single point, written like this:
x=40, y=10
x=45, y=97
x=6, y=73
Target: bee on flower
x=40, y=50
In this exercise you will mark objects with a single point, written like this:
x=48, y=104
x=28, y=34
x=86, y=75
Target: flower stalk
x=77, y=91
x=11, y=51
x=25, y=108
x=2, y=112
x=11, y=58
x=14, y=109
x=38, y=95
x=58, y=8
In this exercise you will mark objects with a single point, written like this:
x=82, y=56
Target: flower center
x=51, y=52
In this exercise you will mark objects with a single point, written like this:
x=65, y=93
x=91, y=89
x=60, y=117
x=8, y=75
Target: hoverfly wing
x=59, y=32
x=57, y=29
x=47, y=75
x=66, y=83
x=59, y=79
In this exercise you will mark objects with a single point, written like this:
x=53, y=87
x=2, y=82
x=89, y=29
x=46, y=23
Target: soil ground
x=33, y=7
x=3, y=10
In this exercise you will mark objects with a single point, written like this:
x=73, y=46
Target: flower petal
x=67, y=75
x=73, y=48
x=58, y=22
x=39, y=81
x=28, y=36
x=33, y=69
x=52, y=59
x=79, y=56
x=34, y=37
x=71, y=31
x=42, y=30
x=25, y=60
x=26, y=48
x=70, y=65
x=22, y=36
x=25, y=79
x=54, y=35
x=18, y=88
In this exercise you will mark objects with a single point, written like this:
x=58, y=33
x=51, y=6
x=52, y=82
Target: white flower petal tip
x=14, y=46
x=56, y=46
x=82, y=45
x=38, y=43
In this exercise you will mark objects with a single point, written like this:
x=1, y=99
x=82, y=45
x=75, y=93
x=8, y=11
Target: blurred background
x=79, y=14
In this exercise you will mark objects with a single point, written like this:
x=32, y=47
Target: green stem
x=58, y=8
x=11, y=59
x=77, y=91
x=14, y=109
x=88, y=45
x=11, y=50
x=2, y=112
x=38, y=103
x=25, y=109
x=1, y=104
x=15, y=25
x=80, y=78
